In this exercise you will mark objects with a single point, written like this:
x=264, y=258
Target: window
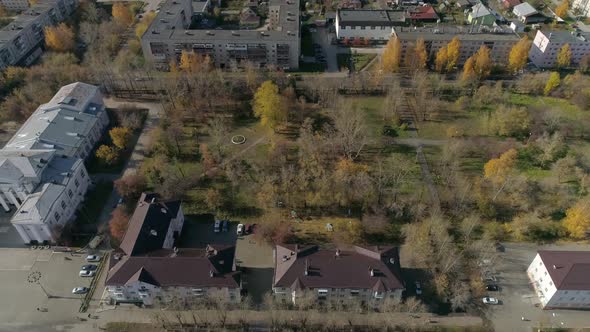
x=76, y=183
x=57, y=216
x=362, y=28
x=63, y=205
x=82, y=174
x=372, y=28
x=70, y=193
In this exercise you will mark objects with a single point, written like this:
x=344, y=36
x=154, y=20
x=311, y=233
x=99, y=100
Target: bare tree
x=351, y=133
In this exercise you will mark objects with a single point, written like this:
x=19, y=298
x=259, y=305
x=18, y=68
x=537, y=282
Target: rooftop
x=16, y=164
x=447, y=32
x=25, y=19
x=524, y=9
x=359, y=17
x=360, y=268
x=479, y=10
x=423, y=13
x=569, y=270
x=566, y=36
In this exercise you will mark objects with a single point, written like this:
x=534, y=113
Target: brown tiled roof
x=187, y=267
x=569, y=270
x=149, y=224
x=326, y=269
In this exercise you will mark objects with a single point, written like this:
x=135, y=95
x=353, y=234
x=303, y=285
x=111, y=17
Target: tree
x=552, y=83
x=59, y=38
x=189, y=61
x=519, y=55
x=417, y=57
x=268, y=105
x=118, y=223
x=108, y=154
x=577, y=219
x=351, y=135
x=122, y=14
x=499, y=169
x=214, y=199
x=131, y=186
x=483, y=63
x=564, y=56
x=145, y=22
x=562, y=9
x=442, y=59
x=120, y=136
x=453, y=53
x=391, y=57
x=469, y=70
x=510, y=121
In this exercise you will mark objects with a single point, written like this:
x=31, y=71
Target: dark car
x=248, y=228
x=492, y=288
x=225, y=224
x=89, y=267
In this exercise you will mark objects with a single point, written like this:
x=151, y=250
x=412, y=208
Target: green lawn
x=96, y=200
x=360, y=60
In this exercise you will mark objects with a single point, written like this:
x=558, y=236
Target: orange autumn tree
x=59, y=38
x=118, y=223
x=122, y=14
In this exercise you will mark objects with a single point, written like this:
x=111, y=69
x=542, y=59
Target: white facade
x=546, y=46
x=583, y=6
x=342, y=295
x=43, y=214
x=550, y=296
x=373, y=33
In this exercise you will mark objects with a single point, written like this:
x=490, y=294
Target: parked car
x=489, y=278
x=253, y=228
x=87, y=273
x=240, y=230
x=247, y=229
x=89, y=267
x=80, y=290
x=93, y=258
x=492, y=287
x=490, y=300
x=418, y=288
x=225, y=224
x=217, y=226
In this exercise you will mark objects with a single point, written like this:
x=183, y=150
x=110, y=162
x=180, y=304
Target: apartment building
x=43, y=214
x=366, y=274
x=499, y=40
x=42, y=171
x=70, y=123
x=276, y=44
x=561, y=279
x=367, y=26
x=16, y=5
x=21, y=41
x=148, y=268
x=582, y=6
x=547, y=44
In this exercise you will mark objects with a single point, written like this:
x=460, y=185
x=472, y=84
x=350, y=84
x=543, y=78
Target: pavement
x=9, y=237
x=518, y=298
x=324, y=37
x=256, y=261
x=58, y=276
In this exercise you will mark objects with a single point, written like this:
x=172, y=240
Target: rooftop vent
x=71, y=118
x=153, y=200
x=221, y=262
x=169, y=12
x=285, y=258
x=154, y=32
x=154, y=232
x=211, y=274
x=163, y=21
x=264, y=34
x=163, y=210
x=372, y=272
x=209, y=33
x=392, y=260
x=235, y=33
x=337, y=253
x=188, y=32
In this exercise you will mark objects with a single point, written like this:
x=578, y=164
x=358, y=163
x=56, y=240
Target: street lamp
x=35, y=278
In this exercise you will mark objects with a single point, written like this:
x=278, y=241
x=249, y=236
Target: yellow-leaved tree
x=268, y=105
x=498, y=170
x=483, y=63
x=564, y=56
x=416, y=58
x=109, y=154
x=145, y=22
x=120, y=136
x=391, y=57
x=519, y=55
x=453, y=53
x=441, y=60
x=59, y=38
x=577, y=219
x=122, y=13
x=469, y=70
x=189, y=61
x=552, y=83
x=561, y=10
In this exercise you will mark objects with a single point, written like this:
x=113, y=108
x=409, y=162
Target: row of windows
x=343, y=27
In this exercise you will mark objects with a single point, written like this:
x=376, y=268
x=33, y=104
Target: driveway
x=323, y=37
x=256, y=261
x=517, y=295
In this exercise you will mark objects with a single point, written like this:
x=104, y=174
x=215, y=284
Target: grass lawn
x=360, y=60
x=316, y=230
x=94, y=203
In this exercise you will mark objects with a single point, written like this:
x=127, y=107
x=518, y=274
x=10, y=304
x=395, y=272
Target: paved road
x=323, y=37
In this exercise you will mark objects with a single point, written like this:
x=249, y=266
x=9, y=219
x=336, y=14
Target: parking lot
x=516, y=295
x=198, y=231
x=58, y=276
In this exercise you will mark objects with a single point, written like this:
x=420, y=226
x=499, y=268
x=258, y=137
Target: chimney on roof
x=211, y=274
x=337, y=253
x=371, y=272
x=306, y=272
x=154, y=232
x=153, y=200
x=555, y=267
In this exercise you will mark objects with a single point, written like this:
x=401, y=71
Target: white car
x=240, y=230
x=490, y=300
x=87, y=273
x=80, y=290
x=93, y=258
x=217, y=226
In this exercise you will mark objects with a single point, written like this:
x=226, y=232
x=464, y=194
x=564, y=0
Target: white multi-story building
x=367, y=26
x=546, y=46
x=15, y=4
x=366, y=274
x=42, y=215
x=561, y=279
x=149, y=269
x=582, y=6
x=70, y=123
x=22, y=41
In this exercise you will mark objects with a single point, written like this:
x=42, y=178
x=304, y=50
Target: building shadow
x=257, y=282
